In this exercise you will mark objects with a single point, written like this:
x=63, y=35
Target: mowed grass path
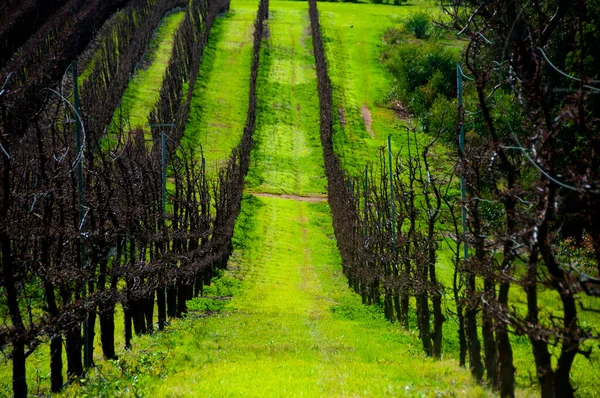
x=288, y=157
x=220, y=103
x=295, y=328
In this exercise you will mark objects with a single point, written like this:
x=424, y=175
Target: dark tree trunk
x=363, y=293
x=182, y=295
x=487, y=331
x=74, y=356
x=436, y=298
x=128, y=331
x=107, y=331
x=208, y=274
x=136, y=308
x=199, y=285
x=389, y=306
x=18, y=354
x=405, y=305
x=423, y=315
x=460, y=308
x=397, y=306
x=462, y=339
x=172, y=301
x=91, y=329
x=473, y=344
x=56, y=364
x=18, y=360
x=423, y=311
x=162, y=308
x=505, y=354
x=107, y=317
x=73, y=343
x=149, y=313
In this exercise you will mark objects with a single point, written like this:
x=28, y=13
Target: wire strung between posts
x=3, y=90
x=5, y=152
x=80, y=151
x=567, y=75
x=460, y=69
x=471, y=18
x=519, y=147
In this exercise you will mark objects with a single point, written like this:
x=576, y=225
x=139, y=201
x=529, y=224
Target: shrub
x=418, y=24
x=394, y=35
x=427, y=66
x=425, y=81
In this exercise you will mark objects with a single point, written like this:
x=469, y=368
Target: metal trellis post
x=392, y=204
x=163, y=170
x=82, y=255
x=461, y=145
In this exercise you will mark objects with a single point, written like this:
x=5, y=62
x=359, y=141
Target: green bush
x=418, y=24
x=442, y=118
x=425, y=69
x=425, y=82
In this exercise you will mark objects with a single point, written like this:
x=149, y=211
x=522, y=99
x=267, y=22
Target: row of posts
x=461, y=146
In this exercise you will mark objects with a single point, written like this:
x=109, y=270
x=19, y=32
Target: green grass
x=97, y=45
x=288, y=157
x=296, y=328
x=293, y=326
x=220, y=100
x=143, y=91
x=353, y=42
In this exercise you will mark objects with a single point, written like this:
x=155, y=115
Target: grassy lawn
x=144, y=88
x=295, y=329
x=220, y=102
x=352, y=35
x=288, y=157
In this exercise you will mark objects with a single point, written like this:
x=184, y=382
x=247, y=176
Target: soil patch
x=400, y=110
x=366, y=115
x=310, y=199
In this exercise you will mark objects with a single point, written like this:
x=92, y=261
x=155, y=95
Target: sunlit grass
x=352, y=37
x=220, y=102
x=295, y=328
x=288, y=156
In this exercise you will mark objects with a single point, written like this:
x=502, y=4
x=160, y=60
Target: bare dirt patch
x=310, y=199
x=400, y=109
x=342, y=116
